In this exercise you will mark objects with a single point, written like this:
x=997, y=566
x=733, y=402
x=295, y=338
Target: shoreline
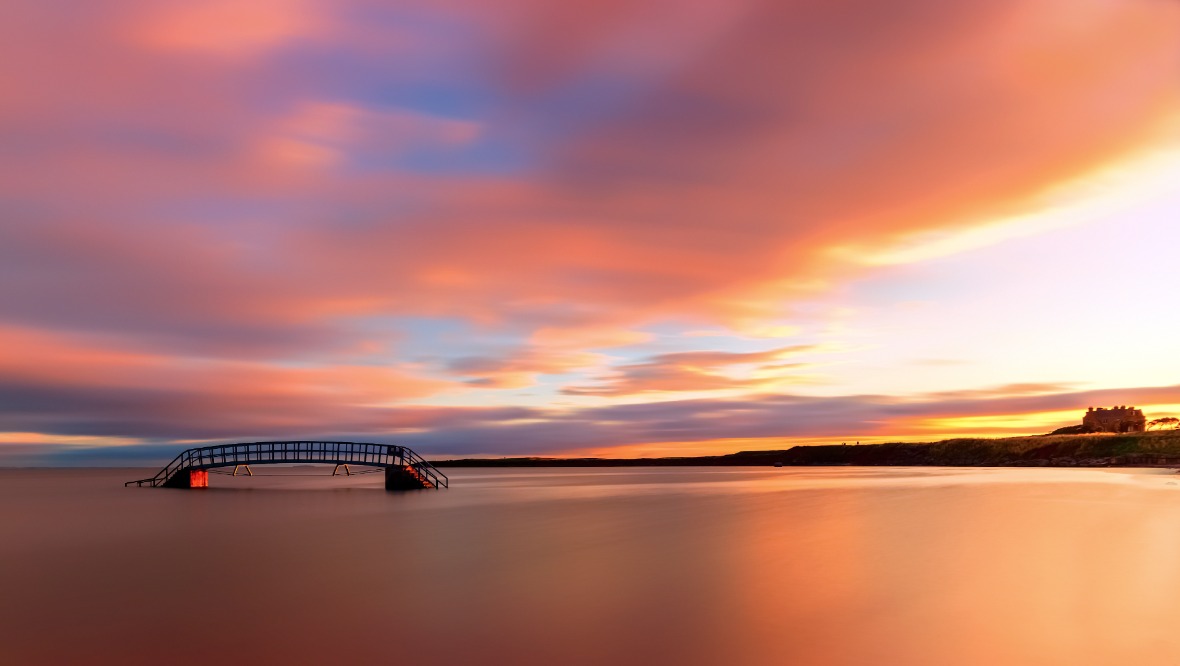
x=1151, y=449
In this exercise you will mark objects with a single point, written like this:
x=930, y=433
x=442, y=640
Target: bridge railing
x=355, y=453
x=351, y=453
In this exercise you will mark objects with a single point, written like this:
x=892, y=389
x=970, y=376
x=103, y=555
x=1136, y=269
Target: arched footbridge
x=404, y=469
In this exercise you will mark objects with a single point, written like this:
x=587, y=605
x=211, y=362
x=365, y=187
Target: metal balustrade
x=308, y=452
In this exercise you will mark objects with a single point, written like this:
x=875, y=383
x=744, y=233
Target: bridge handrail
x=359, y=453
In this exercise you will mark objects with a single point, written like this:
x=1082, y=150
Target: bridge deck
x=412, y=469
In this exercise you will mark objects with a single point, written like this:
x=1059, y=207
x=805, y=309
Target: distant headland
x=1138, y=449
x=1116, y=437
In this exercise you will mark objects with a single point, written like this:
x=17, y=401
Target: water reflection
x=574, y=566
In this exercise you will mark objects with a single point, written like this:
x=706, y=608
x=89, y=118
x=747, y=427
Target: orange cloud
x=247, y=395
x=519, y=369
x=225, y=181
x=225, y=27
x=710, y=196
x=695, y=371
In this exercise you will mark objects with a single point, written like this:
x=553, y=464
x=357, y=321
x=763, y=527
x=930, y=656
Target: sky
x=582, y=228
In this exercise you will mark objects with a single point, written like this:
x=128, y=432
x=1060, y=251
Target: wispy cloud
x=519, y=368
x=233, y=193
x=696, y=371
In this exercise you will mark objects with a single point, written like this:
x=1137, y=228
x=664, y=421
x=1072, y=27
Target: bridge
x=404, y=469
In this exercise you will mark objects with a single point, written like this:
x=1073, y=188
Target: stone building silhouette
x=1116, y=419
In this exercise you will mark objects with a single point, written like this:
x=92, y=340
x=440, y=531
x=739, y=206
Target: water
x=600, y=566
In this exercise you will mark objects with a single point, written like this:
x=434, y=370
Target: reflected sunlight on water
x=593, y=566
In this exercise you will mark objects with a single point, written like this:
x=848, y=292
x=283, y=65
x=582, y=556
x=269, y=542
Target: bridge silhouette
x=404, y=469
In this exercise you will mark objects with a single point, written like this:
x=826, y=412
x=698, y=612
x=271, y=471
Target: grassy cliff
x=1096, y=450
x=1154, y=448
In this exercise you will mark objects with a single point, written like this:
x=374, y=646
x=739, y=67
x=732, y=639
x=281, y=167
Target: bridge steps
x=406, y=478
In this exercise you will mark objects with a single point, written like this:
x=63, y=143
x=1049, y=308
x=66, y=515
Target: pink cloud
x=226, y=28
x=694, y=371
x=324, y=134
x=232, y=181
x=709, y=196
x=86, y=386
x=520, y=368
x=93, y=363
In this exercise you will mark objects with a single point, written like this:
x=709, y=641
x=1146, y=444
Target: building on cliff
x=1116, y=419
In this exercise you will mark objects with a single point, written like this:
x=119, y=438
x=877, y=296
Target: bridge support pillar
x=189, y=478
x=404, y=478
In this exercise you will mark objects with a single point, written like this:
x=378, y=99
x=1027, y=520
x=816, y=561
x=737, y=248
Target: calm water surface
x=603, y=566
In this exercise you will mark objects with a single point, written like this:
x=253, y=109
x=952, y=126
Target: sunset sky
x=618, y=228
